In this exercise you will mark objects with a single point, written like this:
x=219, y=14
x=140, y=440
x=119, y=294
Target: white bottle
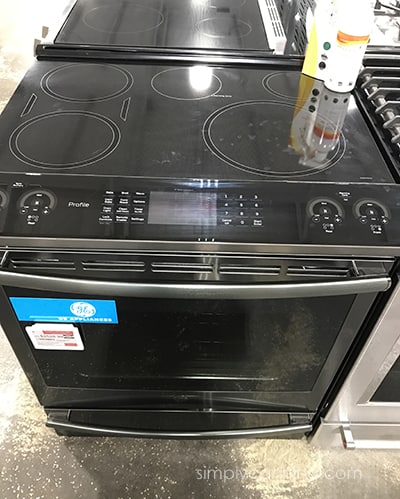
x=353, y=21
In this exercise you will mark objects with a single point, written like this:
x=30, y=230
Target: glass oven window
x=258, y=345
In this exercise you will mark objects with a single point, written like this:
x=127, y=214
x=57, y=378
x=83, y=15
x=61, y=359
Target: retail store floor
x=36, y=463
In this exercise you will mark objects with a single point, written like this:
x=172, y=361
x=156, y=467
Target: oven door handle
x=105, y=431
x=195, y=290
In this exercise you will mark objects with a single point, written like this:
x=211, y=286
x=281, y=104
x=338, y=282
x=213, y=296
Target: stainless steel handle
x=119, y=432
x=195, y=290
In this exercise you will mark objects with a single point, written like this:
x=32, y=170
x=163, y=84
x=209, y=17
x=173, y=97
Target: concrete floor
x=36, y=463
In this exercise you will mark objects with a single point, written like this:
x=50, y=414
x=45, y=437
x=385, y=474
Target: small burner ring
x=126, y=17
x=193, y=83
x=224, y=27
x=275, y=82
x=74, y=82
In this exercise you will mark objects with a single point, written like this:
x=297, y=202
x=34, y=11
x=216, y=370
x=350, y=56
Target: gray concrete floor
x=36, y=463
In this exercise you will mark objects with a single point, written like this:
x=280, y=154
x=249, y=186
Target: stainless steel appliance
x=365, y=407
x=366, y=411
x=174, y=261
x=216, y=27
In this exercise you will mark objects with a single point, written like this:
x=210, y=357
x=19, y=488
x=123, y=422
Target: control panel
x=35, y=203
x=124, y=207
x=373, y=214
x=182, y=207
x=240, y=209
x=327, y=213
x=281, y=212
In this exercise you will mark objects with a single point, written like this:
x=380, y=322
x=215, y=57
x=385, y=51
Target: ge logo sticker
x=82, y=309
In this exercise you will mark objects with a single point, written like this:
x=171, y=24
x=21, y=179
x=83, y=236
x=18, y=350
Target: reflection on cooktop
x=184, y=122
x=197, y=82
x=205, y=24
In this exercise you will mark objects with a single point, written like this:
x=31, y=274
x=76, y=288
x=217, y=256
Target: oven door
x=267, y=347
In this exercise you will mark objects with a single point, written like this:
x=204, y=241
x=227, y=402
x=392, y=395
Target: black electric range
x=191, y=153
x=169, y=24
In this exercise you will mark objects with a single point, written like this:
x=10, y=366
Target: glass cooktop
x=160, y=121
x=200, y=24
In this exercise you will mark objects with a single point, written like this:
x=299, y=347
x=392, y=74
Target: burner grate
x=381, y=87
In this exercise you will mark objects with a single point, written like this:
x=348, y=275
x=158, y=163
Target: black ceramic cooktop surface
x=184, y=122
x=204, y=24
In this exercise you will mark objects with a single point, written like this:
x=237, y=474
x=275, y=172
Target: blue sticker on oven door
x=62, y=310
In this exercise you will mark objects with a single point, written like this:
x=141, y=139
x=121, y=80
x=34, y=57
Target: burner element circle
x=123, y=18
x=43, y=142
x=254, y=136
x=86, y=82
x=224, y=27
x=194, y=83
x=283, y=84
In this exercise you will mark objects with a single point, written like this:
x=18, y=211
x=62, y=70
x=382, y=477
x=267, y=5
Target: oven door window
x=224, y=345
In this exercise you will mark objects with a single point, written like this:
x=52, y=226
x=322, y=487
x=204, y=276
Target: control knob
x=372, y=213
x=35, y=203
x=325, y=212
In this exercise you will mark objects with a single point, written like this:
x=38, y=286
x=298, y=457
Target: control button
x=138, y=210
x=243, y=221
x=338, y=219
x=108, y=201
x=329, y=228
x=137, y=220
x=384, y=220
x=106, y=219
x=316, y=218
x=325, y=210
x=241, y=196
x=140, y=194
x=255, y=196
x=123, y=201
x=242, y=213
x=107, y=209
x=122, y=210
x=122, y=219
x=376, y=229
x=258, y=222
x=32, y=219
x=139, y=201
x=46, y=210
x=109, y=193
x=371, y=212
x=24, y=210
x=125, y=193
x=18, y=185
x=363, y=220
x=241, y=205
x=226, y=221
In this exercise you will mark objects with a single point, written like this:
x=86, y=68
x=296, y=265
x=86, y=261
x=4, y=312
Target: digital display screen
x=182, y=208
